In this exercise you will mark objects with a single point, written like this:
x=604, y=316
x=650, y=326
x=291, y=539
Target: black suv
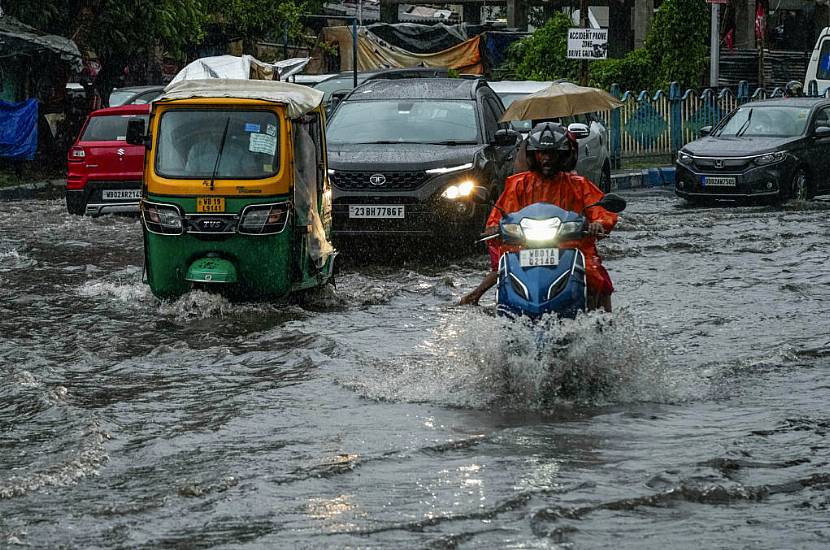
x=405, y=157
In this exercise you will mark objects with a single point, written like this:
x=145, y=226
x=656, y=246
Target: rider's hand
x=595, y=229
x=470, y=299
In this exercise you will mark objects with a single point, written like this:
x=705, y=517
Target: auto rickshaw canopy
x=298, y=99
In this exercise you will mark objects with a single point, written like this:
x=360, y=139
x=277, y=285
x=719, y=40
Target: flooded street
x=385, y=416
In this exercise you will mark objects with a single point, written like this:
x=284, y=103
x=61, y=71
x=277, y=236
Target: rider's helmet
x=551, y=136
x=793, y=88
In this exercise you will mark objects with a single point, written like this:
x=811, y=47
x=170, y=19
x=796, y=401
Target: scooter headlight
x=571, y=230
x=512, y=231
x=541, y=230
x=264, y=219
x=164, y=219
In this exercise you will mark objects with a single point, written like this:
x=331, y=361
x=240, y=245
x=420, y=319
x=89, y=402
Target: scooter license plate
x=210, y=204
x=533, y=257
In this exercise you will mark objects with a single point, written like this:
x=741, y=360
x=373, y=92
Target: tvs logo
x=718, y=163
x=377, y=179
x=211, y=225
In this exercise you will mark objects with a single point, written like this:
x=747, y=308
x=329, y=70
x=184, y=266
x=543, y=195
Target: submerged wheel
x=605, y=179
x=801, y=188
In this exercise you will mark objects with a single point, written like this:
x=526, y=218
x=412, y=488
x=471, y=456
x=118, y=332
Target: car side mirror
x=822, y=131
x=506, y=137
x=705, y=131
x=135, y=132
x=579, y=130
x=611, y=202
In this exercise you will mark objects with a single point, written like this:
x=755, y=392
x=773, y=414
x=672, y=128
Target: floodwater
x=384, y=416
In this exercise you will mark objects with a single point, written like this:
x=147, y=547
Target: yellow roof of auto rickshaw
x=298, y=99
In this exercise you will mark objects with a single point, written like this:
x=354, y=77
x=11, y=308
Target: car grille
x=395, y=181
x=725, y=164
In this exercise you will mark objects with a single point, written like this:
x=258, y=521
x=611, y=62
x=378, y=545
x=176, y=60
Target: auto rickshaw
x=235, y=192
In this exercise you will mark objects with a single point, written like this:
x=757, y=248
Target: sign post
x=587, y=44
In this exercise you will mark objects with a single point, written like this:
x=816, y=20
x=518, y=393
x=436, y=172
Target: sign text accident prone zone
x=587, y=43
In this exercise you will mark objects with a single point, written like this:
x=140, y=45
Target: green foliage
x=676, y=49
x=635, y=72
x=541, y=56
x=678, y=39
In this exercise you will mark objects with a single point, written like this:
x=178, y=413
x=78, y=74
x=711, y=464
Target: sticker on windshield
x=120, y=138
x=262, y=143
x=251, y=127
x=271, y=130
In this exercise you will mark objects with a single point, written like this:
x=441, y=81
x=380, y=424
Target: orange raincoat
x=565, y=190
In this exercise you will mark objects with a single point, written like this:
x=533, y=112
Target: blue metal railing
x=659, y=125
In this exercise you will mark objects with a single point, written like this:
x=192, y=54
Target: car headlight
x=540, y=230
x=771, y=158
x=161, y=218
x=684, y=158
x=450, y=169
x=459, y=190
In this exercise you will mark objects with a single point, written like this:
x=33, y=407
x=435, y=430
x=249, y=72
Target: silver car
x=594, y=155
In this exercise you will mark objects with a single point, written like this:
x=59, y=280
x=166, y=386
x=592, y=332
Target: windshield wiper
x=452, y=142
x=219, y=154
x=745, y=126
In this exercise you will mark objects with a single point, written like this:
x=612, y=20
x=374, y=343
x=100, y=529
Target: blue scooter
x=542, y=277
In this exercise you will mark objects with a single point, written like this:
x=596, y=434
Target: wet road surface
x=384, y=416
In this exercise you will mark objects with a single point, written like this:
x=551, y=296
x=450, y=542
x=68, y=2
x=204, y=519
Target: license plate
x=533, y=257
x=718, y=182
x=376, y=211
x=210, y=204
x=120, y=194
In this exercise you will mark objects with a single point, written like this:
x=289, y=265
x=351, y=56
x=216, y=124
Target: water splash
x=478, y=360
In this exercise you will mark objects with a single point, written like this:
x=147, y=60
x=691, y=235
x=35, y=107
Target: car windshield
x=404, y=121
x=765, y=121
x=189, y=142
x=118, y=98
x=109, y=127
x=337, y=83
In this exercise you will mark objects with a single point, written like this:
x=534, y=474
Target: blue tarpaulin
x=18, y=129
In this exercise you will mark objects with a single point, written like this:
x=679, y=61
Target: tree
x=675, y=50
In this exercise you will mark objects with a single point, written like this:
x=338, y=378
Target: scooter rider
x=552, y=155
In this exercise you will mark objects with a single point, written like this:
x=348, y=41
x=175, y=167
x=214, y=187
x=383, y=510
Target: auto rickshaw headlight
x=264, y=219
x=163, y=219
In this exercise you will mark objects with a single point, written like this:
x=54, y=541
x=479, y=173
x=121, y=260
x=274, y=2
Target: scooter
x=542, y=277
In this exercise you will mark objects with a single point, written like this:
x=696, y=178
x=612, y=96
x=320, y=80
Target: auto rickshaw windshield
x=235, y=144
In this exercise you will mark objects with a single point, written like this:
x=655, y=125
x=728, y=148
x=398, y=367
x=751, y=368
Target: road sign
x=717, y=1
x=587, y=43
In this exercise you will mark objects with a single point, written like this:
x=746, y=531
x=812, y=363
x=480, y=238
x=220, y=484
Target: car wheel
x=605, y=179
x=801, y=187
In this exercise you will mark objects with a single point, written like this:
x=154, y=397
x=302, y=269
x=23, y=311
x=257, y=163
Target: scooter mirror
x=611, y=202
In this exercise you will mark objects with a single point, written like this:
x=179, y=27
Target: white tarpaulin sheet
x=297, y=98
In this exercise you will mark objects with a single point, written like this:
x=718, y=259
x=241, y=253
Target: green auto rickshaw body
x=256, y=226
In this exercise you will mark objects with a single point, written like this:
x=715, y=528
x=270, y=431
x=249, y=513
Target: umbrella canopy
x=558, y=100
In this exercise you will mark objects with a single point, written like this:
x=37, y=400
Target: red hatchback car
x=103, y=170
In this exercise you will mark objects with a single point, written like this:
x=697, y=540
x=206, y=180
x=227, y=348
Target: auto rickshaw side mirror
x=611, y=202
x=135, y=132
x=506, y=137
x=704, y=131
